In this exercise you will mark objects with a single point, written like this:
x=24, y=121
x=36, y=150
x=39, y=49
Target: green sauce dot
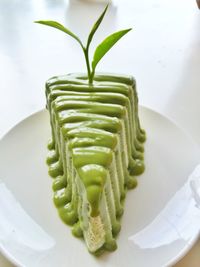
x=139, y=167
x=68, y=214
x=131, y=182
x=116, y=228
x=60, y=198
x=76, y=230
x=111, y=245
x=59, y=183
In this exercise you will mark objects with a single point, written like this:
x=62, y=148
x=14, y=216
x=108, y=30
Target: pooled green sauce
x=95, y=133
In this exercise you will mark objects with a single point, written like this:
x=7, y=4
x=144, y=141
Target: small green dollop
x=51, y=145
x=60, y=198
x=94, y=196
x=59, y=183
x=111, y=245
x=138, y=168
x=116, y=228
x=131, y=182
x=76, y=230
x=56, y=169
x=94, y=178
x=68, y=214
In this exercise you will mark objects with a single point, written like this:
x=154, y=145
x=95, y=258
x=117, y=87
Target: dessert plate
x=156, y=227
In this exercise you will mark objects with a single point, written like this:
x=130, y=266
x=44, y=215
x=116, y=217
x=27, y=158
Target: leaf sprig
x=101, y=49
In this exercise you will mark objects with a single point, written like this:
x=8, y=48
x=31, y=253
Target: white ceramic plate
x=32, y=234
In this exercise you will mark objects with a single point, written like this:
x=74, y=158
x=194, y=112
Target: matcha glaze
x=92, y=127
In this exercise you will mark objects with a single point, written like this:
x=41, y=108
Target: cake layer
x=95, y=150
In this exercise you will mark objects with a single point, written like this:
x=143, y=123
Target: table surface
x=162, y=52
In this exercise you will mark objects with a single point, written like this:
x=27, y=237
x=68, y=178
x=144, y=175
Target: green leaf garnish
x=105, y=46
x=60, y=27
x=96, y=26
x=101, y=49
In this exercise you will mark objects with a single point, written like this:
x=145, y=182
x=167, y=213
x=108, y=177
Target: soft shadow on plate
x=19, y=230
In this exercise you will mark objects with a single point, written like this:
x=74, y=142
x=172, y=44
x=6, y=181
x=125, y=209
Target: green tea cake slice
x=95, y=152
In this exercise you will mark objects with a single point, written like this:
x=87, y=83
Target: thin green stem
x=86, y=54
x=91, y=77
